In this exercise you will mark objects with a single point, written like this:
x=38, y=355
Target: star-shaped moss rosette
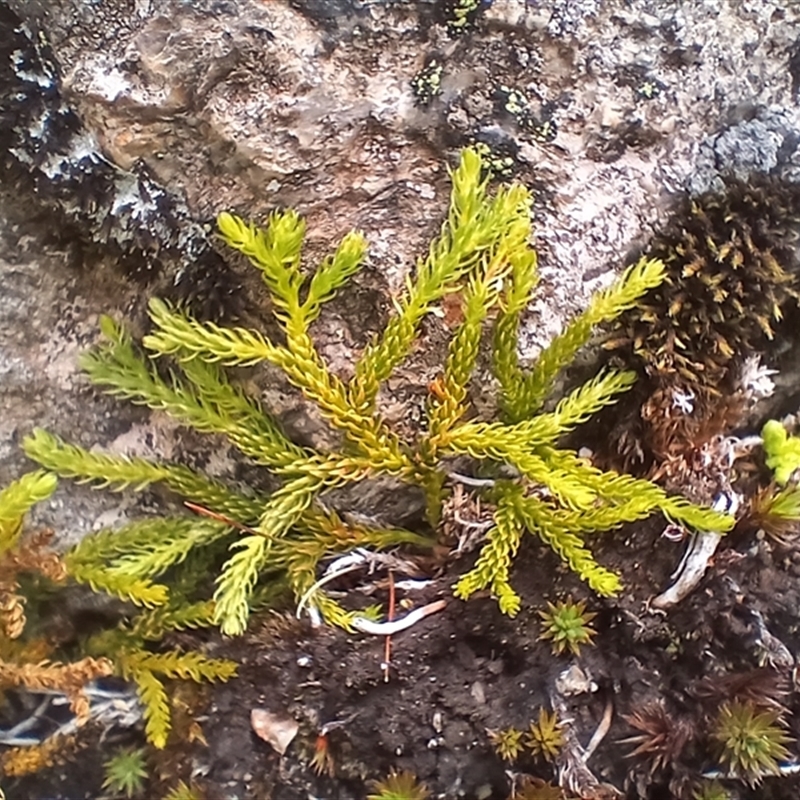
x=399, y=786
x=752, y=740
x=507, y=743
x=545, y=737
x=126, y=772
x=566, y=626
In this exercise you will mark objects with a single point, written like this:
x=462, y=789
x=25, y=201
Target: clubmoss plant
x=20, y=553
x=782, y=451
x=16, y=762
x=25, y=661
x=752, y=740
x=31, y=662
x=566, y=626
x=276, y=542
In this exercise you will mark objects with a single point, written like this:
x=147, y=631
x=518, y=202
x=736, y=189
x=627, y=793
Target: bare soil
x=469, y=669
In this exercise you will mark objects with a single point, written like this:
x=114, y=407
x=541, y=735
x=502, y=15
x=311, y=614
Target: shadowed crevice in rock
x=101, y=209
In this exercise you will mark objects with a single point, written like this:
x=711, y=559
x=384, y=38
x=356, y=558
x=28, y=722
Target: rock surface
x=251, y=106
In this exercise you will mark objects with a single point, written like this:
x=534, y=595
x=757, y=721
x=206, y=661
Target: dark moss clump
x=732, y=271
x=499, y=154
x=514, y=102
x=427, y=83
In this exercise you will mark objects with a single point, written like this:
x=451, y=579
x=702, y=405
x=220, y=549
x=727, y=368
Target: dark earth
x=469, y=669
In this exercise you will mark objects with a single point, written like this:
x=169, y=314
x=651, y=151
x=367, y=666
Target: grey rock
x=151, y=118
x=767, y=143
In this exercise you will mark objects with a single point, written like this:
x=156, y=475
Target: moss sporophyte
x=272, y=544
